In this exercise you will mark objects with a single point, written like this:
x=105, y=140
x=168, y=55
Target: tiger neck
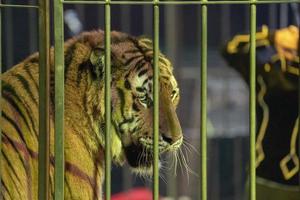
x=84, y=114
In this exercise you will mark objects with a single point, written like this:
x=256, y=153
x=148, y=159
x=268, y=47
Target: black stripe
x=162, y=59
x=82, y=70
x=127, y=75
x=117, y=128
x=27, y=70
x=144, y=51
x=128, y=61
x=15, y=149
x=16, y=127
x=141, y=73
x=126, y=121
x=34, y=59
x=68, y=58
x=85, y=103
x=9, y=89
x=122, y=98
x=134, y=130
x=10, y=164
x=131, y=51
x=26, y=86
x=6, y=189
x=140, y=64
x=135, y=107
x=68, y=187
x=12, y=102
x=145, y=81
x=140, y=89
x=127, y=84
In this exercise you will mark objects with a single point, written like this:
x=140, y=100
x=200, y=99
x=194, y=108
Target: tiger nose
x=171, y=139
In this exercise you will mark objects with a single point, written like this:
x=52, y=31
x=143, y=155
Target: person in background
x=277, y=138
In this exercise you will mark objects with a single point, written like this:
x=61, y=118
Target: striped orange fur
x=132, y=115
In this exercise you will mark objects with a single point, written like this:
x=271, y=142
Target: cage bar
x=155, y=100
x=107, y=101
x=203, y=101
x=17, y=6
x=44, y=99
x=59, y=101
x=252, y=100
x=0, y=95
x=246, y=2
x=299, y=98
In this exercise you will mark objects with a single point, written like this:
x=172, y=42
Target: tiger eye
x=98, y=51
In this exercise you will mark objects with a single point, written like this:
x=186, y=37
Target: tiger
x=84, y=115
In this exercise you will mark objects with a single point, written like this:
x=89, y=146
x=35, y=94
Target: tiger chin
x=84, y=117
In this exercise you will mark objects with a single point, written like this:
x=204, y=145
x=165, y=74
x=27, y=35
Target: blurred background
x=180, y=35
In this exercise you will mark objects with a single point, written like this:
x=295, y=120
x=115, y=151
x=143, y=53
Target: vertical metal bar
x=204, y=101
x=59, y=100
x=299, y=95
x=252, y=99
x=107, y=101
x=155, y=100
x=44, y=97
x=1, y=197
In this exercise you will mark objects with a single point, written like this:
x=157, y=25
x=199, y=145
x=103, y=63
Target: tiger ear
x=97, y=60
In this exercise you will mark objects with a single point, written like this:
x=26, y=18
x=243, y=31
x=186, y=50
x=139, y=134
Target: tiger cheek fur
x=136, y=129
x=84, y=122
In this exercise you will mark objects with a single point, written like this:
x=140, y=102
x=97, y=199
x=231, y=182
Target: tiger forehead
x=130, y=50
x=137, y=55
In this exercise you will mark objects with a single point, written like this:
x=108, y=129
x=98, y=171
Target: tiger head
x=132, y=98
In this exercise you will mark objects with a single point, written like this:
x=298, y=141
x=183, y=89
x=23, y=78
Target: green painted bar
x=107, y=101
x=204, y=102
x=299, y=104
x=59, y=101
x=0, y=94
x=182, y=2
x=252, y=100
x=155, y=100
x=17, y=6
x=44, y=99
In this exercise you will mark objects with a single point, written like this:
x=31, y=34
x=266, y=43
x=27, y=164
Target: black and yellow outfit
x=277, y=66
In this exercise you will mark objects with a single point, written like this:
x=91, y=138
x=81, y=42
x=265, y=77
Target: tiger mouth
x=140, y=155
x=147, y=142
